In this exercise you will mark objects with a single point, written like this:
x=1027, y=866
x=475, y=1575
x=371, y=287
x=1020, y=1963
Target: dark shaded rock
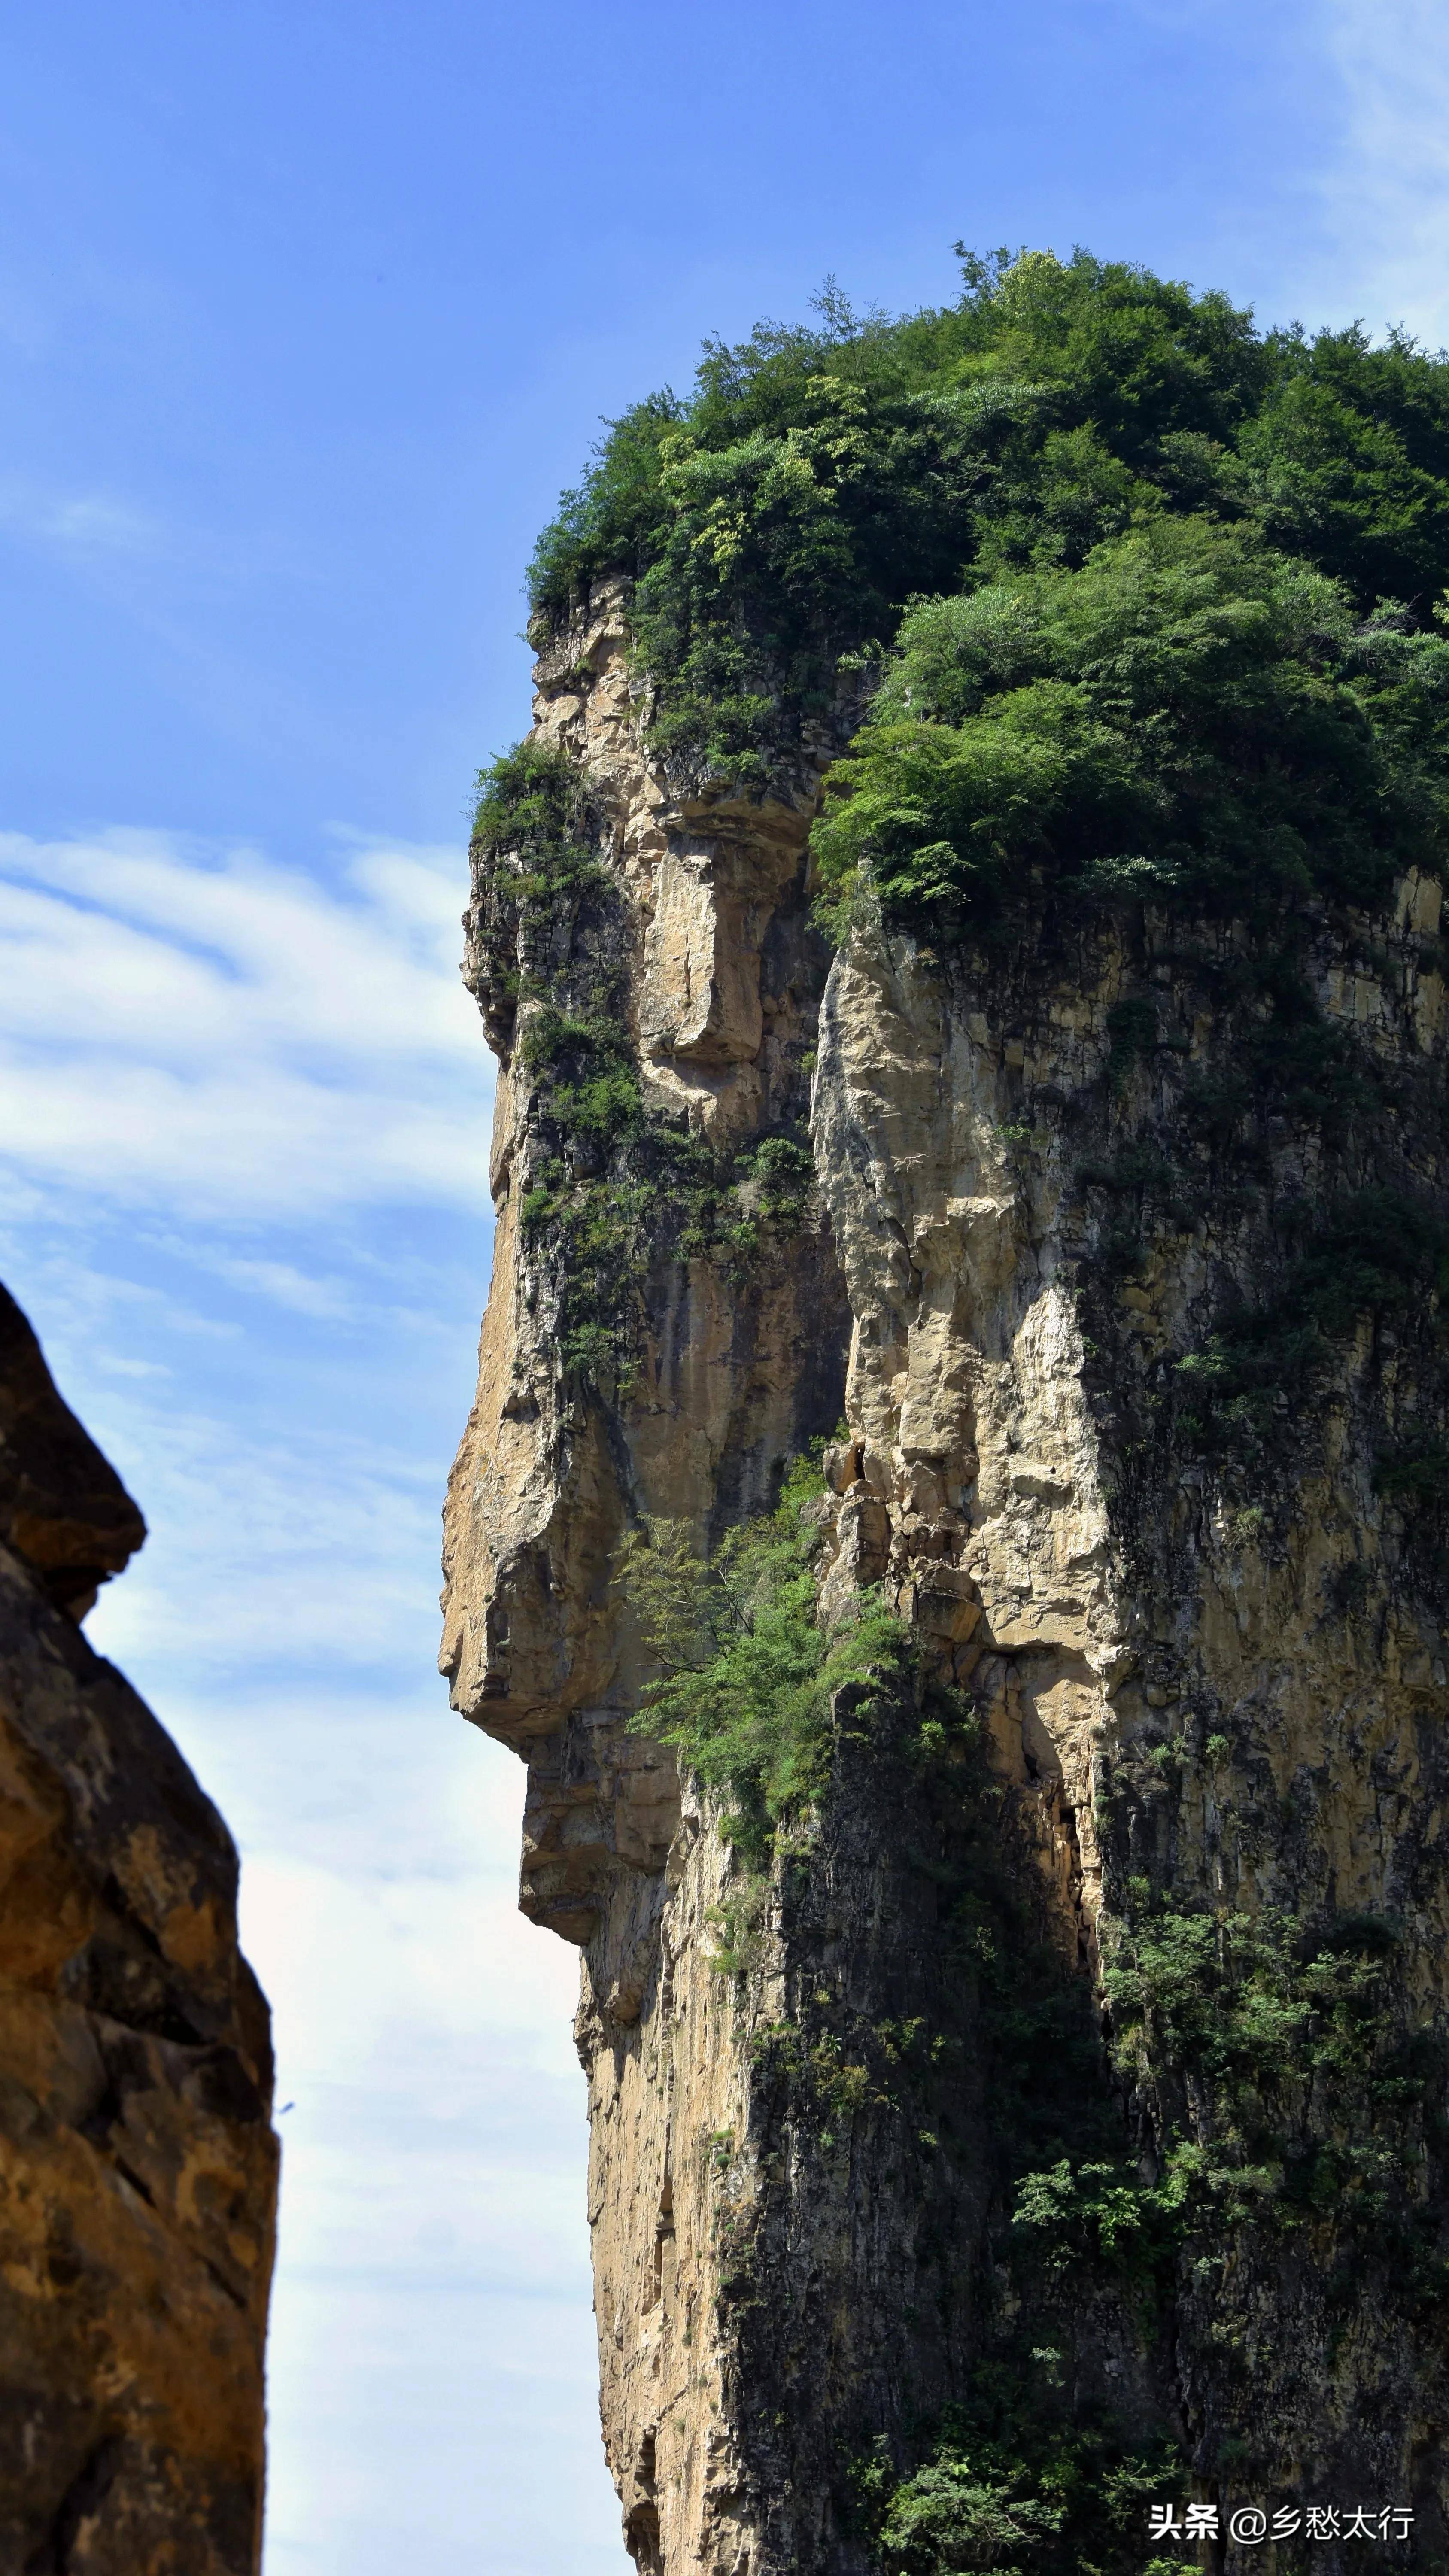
x=63, y=1508
x=138, y=2166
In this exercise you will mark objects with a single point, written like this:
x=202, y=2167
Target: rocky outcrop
x=723, y=983
x=1181, y=1592
x=63, y=1510
x=723, y=979
x=138, y=2165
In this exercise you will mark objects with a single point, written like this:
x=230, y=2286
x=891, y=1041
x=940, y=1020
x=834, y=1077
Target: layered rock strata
x=1205, y=1662
x=138, y=2165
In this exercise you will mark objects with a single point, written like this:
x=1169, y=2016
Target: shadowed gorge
x=956, y=1512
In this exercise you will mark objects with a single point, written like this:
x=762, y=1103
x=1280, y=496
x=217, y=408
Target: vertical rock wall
x=724, y=976
x=138, y=2166
x=1200, y=1706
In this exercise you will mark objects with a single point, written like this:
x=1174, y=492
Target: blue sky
x=308, y=311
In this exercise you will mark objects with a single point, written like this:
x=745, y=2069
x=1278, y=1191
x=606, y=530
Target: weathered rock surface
x=797, y=2255
x=138, y=2165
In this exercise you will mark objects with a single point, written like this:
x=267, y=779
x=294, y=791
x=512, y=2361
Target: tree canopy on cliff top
x=1152, y=596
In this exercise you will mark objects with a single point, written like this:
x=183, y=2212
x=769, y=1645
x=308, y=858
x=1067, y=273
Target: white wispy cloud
x=327, y=1299
x=78, y=524
x=201, y=1027
x=314, y=1549
x=1386, y=185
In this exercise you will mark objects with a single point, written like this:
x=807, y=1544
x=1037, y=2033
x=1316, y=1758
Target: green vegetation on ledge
x=613, y=1187
x=776, y=526
x=749, y=1679
x=1075, y=2505
x=1379, y=1254
x=1192, y=719
x=1287, y=2098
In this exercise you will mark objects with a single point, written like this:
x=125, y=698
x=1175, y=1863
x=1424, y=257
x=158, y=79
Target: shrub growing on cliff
x=533, y=800
x=1193, y=718
x=1377, y=1253
x=612, y=1181
x=953, y=2516
x=1309, y=2098
x=748, y=1676
x=775, y=524
x=1049, y=2500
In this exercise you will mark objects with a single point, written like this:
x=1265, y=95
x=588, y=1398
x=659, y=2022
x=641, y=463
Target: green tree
x=749, y=1679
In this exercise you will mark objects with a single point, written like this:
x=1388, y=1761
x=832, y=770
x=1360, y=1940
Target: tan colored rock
x=771, y=2289
x=138, y=2166
x=725, y=977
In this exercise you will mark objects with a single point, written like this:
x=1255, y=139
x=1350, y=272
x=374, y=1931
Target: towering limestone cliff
x=138, y=2166
x=956, y=1514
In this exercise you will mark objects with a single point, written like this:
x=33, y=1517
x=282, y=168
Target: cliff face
x=138, y=2166
x=1157, y=1908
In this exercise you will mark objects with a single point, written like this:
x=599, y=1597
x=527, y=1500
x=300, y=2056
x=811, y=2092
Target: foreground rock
x=138, y=2166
